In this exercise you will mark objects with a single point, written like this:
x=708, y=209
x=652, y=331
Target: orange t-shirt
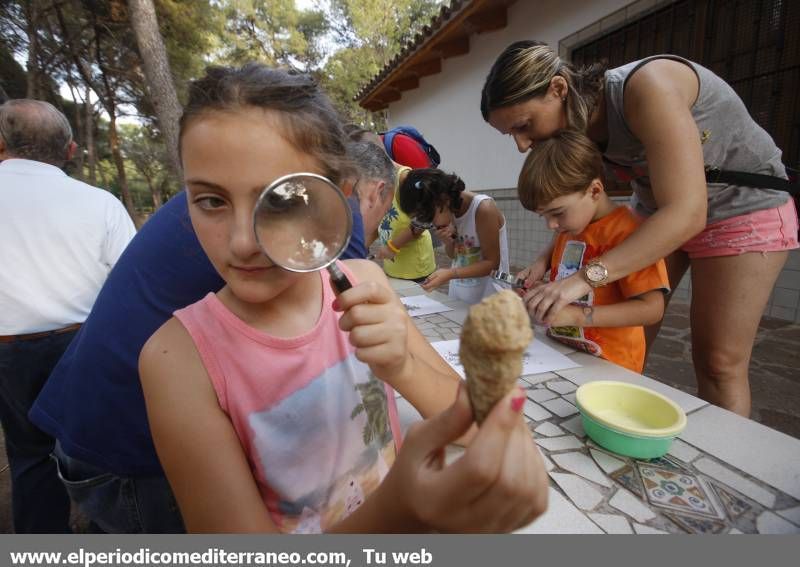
x=622, y=345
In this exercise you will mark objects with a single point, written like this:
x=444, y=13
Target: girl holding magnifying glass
x=271, y=402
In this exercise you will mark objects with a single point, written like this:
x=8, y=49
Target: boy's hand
x=499, y=484
x=437, y=278
x=570, y=316
x=377, y=323
x=546, y=300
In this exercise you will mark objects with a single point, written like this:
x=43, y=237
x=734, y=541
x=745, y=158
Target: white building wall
x=446, y=109
x=446, y=106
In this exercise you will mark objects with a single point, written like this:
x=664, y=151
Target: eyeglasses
x=421, y=225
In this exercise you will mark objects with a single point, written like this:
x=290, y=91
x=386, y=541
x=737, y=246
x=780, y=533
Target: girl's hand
x=546, y=300
x=377, y=322
x=384, y=253
x=437, y=278
x=499, y=484
x=533, y=273
x=446, y=233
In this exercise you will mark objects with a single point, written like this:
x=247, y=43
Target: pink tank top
x=319, y=429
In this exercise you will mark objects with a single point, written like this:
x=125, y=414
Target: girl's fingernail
x=517, y=402
x=335, y=305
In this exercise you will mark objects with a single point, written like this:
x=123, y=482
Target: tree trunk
x=103, y=179
x=32, y=74
x=91, y=150
x=159, y=78
x=78, y=135
x=113, y=140
x=158, y=194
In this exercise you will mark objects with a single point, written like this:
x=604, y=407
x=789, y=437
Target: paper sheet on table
x=537, y=358
x=420, y=305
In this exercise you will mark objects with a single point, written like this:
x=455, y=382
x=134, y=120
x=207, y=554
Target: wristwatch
x=595, y=273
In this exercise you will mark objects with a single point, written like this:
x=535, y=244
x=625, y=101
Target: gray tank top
x=731, y=140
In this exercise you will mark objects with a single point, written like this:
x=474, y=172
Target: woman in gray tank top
x=659, y=122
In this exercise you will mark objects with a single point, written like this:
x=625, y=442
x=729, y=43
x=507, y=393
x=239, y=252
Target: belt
x=32, y=336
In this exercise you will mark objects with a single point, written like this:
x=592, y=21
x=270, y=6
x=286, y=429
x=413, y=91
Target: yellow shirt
x=415, y=259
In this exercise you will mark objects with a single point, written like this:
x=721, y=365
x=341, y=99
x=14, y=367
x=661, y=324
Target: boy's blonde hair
x=566, y=163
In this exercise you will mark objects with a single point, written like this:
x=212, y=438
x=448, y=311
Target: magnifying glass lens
x=302, y=222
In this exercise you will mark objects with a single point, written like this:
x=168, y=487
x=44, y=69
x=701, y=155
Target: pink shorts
x=770, y=230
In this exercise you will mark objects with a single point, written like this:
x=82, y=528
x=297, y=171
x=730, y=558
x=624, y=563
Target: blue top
x=356, y=249
x=93, y=401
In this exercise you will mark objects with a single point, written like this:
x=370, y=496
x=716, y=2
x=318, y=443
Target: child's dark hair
x=425, y=190
x=310, y=122
x=566, y=163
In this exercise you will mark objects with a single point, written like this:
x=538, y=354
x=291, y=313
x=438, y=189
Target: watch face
x=596, y=272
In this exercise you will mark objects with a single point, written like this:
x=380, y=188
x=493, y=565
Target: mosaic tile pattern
x=677, y=491
x=686, y=491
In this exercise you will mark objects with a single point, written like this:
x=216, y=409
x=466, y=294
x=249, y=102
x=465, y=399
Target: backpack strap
x=388, y=140
x=791, y=185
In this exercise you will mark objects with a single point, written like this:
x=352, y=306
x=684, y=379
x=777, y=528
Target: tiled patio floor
x=774, y=372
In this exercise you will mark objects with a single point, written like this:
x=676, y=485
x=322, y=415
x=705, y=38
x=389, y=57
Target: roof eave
x=448, y=35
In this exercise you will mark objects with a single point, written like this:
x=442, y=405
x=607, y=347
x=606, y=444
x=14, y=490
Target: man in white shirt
x=59, y=238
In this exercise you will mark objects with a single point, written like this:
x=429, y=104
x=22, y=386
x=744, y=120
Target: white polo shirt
x=59, y=238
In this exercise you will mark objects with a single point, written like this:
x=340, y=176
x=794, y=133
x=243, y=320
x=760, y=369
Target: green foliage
x=12, y=75
x=383, y=25
x=191, y=29
x=273, y=32
x=344, y=43
x=343, y=75
x=147, y=161
x=371, y=33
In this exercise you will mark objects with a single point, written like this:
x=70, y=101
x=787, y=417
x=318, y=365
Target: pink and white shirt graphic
x=319, y=429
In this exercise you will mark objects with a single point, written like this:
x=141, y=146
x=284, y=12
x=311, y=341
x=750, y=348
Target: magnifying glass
x=421, y=225
x=302, y=223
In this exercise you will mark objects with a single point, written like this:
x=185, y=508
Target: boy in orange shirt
x=562, y=180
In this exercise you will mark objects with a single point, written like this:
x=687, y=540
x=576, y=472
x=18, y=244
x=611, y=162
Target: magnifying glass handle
x=340, y=281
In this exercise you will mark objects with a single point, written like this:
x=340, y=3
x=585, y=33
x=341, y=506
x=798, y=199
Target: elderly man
x=60, y=238
x=93, y=404
x=374, y=189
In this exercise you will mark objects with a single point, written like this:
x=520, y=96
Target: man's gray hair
x=371, y=162
x=35, y=130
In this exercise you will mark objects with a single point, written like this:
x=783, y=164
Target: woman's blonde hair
x=564, y=164
x=525, y=69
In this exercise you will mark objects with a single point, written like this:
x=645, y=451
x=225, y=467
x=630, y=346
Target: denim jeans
x=38, y=500
x=119, y=504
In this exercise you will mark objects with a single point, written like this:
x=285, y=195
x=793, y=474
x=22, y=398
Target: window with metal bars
x=753, y=44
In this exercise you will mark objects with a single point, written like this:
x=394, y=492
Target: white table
x=724, y=474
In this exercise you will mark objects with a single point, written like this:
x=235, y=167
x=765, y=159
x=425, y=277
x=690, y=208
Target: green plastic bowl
x=628, y=419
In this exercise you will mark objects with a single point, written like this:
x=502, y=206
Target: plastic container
x=628, y=419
